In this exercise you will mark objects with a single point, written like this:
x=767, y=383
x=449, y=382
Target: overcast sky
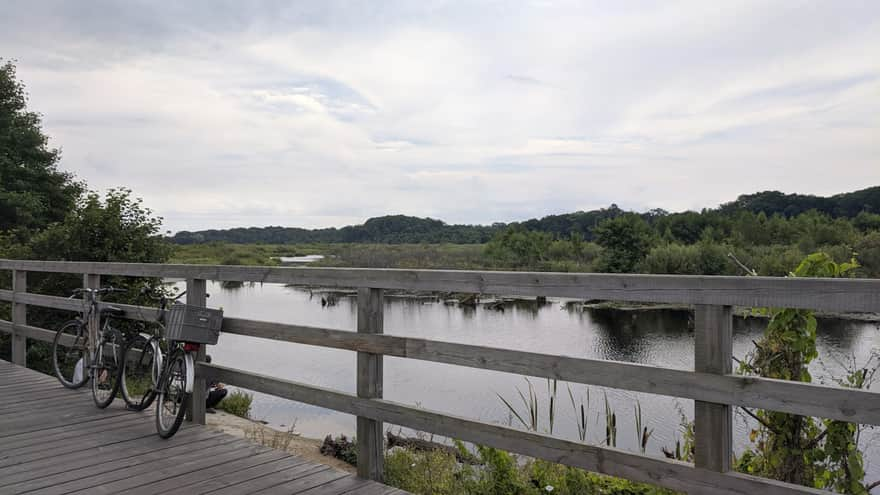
x=313, y=114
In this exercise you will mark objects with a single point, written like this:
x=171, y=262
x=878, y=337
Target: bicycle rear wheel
x=70, y=354
x=139, y=373
x=107, y=368
x=171, y=401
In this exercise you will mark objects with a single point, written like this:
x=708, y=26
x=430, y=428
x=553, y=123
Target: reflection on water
x=660, y=338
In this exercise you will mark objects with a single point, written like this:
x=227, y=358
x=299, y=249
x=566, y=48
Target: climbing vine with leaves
x=799, y=449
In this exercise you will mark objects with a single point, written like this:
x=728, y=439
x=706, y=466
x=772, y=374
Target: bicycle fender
x=190, y=372
x=159, y=361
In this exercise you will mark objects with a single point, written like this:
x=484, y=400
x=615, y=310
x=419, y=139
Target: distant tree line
x=695, y=244
x=391, y=229
x=861, y=207
x=769, y=232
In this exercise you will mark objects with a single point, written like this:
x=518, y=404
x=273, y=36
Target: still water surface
x=659, y=338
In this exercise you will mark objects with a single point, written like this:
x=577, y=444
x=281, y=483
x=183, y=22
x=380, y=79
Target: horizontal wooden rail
x=859, y=295
x=611, y=461
x=132, y=312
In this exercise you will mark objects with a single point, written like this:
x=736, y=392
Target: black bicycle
x=187, y=329
x=77, y=358
x=144, y=355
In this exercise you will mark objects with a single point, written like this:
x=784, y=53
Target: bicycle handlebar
x=150, y=293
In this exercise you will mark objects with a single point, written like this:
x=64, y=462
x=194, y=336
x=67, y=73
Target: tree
x=33, y=192
x=116, y=228
x=627, y=239
x=868, y=254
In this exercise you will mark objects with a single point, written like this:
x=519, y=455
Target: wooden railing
x=712, y=384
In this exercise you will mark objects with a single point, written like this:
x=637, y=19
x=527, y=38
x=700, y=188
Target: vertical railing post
x=713, y=430
x=19, y=317
x=92, y=282
x=370, y=437
x=197, y=295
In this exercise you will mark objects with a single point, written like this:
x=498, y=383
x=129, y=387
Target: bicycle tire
x=66, y=357
x=172, y=396
x=107, y=369
x=138, y=379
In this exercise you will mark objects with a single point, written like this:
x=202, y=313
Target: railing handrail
x=828, y=294
x=714, y=389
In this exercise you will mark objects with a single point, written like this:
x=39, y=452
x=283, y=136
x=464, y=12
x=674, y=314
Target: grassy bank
x=450, y=256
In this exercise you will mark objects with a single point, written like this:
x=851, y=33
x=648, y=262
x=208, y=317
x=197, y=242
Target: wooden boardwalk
x=54, y=440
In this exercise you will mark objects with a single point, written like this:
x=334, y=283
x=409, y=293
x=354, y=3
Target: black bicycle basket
x=187, y=323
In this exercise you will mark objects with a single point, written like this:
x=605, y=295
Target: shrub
x=434, y=472
x=237, y=403
x=499, y=473
x=341, y=448
x=868, y=254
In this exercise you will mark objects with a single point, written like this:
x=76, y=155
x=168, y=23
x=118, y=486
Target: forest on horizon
x=861, y=207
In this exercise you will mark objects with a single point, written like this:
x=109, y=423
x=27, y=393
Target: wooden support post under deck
x=92, y=282
x=197, y=295
x=370, y=437
x=19, y=317
x=713, y=423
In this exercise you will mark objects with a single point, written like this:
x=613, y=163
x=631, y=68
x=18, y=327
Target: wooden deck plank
x=58, y=427
x=32, y=396
x=38, y=421
x=232, y=478
x=49, y=403
x=205, y=475
x=274, y=479
x=19, y=373
x=110, y=442
x=67, y=431
x=22, y=386
x=373, y=489
x=142, y=427
x=90, y=476
x=60, y=444
x=302, y=483
x=339, y=486
x=77, y=460
x=170, y=462
x=54, y=441
x=16, y=383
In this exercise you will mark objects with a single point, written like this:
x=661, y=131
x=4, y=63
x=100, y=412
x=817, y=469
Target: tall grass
x=610, y=424
x=268, y=437
x=533, y=404
x=580, y=413
x=642, y=432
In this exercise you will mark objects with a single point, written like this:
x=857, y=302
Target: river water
x=660, y=338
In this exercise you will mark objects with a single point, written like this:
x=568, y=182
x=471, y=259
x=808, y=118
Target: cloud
x=325, y=113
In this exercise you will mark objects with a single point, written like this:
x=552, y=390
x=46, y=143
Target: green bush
x=868, y=254
x=237, y=403
x=434, y=472
x=498, y=473
x=703, y=258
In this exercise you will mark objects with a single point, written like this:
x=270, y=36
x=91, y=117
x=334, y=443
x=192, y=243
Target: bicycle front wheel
x=70, y=354
x=172, y=397
x=107, y=368
x=138, y=383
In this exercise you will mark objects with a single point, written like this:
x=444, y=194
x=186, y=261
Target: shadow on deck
x=54, y=441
